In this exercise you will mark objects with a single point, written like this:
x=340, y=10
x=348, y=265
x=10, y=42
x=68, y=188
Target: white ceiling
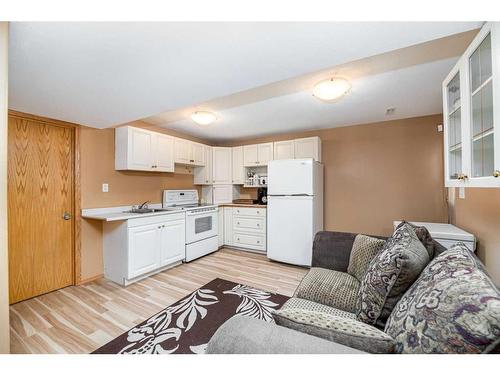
x=106, y=74
x=413, y=91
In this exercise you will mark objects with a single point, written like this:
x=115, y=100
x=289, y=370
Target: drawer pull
x=258, y=224
x=258, y=241
x=238, y=223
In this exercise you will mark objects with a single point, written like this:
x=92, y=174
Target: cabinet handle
x=462, y=177
x=258, y=212
x=258, y=224
x=258, y=241
x=238, y=223
x=496, y=174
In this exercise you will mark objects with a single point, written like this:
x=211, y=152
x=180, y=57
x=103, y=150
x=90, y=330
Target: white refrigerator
x=294, y=209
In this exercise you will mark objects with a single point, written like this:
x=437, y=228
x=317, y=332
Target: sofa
x=440, y=301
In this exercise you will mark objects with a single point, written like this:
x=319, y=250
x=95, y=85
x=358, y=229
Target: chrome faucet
x=143, y=205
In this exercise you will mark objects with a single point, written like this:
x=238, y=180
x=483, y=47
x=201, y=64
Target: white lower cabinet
x=136, y=248
x=228, y=226
x=221, y=226
x=245, y=228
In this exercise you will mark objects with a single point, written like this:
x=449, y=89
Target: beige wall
x=374, y=174
x=479, y=213
x=125, y=188
x=4, y=281
x=380, y=172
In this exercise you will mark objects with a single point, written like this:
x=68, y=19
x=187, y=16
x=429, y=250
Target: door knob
x=496, y=174
x=66, y=216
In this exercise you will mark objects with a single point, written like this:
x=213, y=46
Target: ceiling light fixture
x=203, y=117
x=331, y=90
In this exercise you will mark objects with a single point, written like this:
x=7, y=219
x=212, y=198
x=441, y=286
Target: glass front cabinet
x=471, y=111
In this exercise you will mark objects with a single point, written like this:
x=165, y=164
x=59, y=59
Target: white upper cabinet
x=203, y=175
x=190, y=153
x=163, y=149
x=257, y=155
x=221, y=165
x=301, y=148
x=143, y=150
x=266, y=152
x=308, y=148
x=238, y=168
x=471, y=96
x=284, y=150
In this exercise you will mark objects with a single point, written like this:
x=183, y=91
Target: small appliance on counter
x=262, y=195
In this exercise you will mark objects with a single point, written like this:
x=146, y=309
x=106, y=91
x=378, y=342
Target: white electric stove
x=201, y=221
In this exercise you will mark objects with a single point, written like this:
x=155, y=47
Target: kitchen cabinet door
x=221, y=165
x=164, y=153
x=228, y=226
x=144, y=249
x=197, y=154
x=284, y=150
x=203, y=175
x=265, y=152
x=250, y=155
x=308, y=148
x=238, y=168
x=141, y=142
x=173, y=242
x=182, y=150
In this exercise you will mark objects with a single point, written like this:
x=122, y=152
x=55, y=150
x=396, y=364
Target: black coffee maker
x=262, y=195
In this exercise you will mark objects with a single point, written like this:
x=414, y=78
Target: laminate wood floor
x=80, y=319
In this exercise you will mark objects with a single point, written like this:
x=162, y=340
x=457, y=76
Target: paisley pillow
x=424, y=236
x=453, y=307
x=390, y=274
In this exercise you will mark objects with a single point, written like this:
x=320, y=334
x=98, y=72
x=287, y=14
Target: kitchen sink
x=145, y=210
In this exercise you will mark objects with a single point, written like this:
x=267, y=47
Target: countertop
x=117, y=213
x=243, y=205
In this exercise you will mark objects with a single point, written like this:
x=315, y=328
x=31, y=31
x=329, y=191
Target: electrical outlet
x=105, y=188
x=440, y=128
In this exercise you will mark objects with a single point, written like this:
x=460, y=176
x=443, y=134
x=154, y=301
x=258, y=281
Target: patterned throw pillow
x=341, y=330
x=389, y=275
x=424, y=236
x=453, y=307
x=363, y=251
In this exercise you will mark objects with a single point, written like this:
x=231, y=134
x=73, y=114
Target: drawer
x=251, y=241
x=245, y=223
x=249, y=211
x=449, y=243
x=155, y=219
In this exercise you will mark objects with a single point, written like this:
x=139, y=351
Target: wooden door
x=40, y=194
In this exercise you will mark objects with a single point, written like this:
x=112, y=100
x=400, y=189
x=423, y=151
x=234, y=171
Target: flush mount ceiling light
x=203, y=117
x=331, y=90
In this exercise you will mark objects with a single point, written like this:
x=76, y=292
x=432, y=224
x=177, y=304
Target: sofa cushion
x=390, y=274
x=345, y=331
x=453, y=307
x=424, y=236
x=304, y=304
x=363, y=251
x=332, y=288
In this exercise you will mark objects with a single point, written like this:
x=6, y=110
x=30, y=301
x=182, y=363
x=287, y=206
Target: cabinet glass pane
x=455, y=163
x=487, y=106
x=476, y=114
x=483, y=163
x=475, y=70
x=453, y=94
x=485, y=57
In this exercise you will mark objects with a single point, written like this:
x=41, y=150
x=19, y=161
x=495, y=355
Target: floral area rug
x=187, y=325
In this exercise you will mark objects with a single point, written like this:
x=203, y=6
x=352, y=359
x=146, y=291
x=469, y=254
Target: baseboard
x=90, y=279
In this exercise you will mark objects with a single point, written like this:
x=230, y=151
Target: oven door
x=201, y=225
